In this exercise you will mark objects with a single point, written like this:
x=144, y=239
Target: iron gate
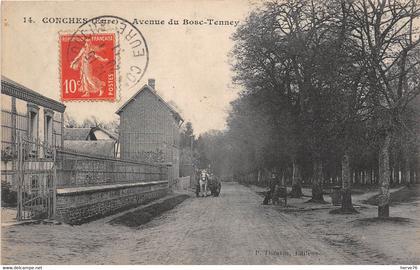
x=36, y=176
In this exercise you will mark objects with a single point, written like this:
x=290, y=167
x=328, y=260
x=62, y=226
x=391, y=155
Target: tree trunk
x=259, y=176
x=356, y=177
x=283, y=179
x=391, y=175
x=363, y=177
x=346, y=203
x=296, y=181
x=412, y=179
x=371, y=177
x=384, y=177
x=317, y=192
x=405, y=168
x=396, y=174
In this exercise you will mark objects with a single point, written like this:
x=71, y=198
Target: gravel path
x=231, y=229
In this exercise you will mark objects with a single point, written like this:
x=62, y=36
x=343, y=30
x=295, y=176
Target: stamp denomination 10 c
x=88, y=71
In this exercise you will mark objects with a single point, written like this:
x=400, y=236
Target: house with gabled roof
x=94, y=140
x=150, y=129
x=88, y=134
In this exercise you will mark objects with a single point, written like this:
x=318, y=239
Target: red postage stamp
x=88, y=67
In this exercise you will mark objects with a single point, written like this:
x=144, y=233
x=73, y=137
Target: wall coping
x=92, y=189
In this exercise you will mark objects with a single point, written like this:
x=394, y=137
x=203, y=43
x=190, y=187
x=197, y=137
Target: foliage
x=8, y=196
x=320, y=79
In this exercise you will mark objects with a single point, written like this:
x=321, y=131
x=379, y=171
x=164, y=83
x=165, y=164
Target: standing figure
x=276, y=195
x=197, y=183
x=270, y=193
x=84, y=61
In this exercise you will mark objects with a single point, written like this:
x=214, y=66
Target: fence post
x=54, y=183
x=19, y=178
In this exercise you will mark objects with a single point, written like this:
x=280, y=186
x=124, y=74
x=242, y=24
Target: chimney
x=151, y=83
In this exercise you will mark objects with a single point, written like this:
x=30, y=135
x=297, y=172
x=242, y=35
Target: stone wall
x=80, y=205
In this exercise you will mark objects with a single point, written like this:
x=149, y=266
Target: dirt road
x=231, y=229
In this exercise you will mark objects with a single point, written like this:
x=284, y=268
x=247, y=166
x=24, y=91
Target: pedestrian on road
x=197, y=183
x=272, y=185
x=276, y=195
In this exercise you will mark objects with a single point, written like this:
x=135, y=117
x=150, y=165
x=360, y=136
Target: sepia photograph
x=210, y=132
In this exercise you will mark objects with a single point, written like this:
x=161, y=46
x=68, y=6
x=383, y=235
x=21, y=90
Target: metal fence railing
x=12, y=124
x=75, y=169
x=34, y=175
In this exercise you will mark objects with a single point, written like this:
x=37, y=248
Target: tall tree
x=388, y=40
x=286, y=48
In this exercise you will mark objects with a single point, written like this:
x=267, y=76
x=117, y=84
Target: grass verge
x=144, y=215
x=406, y=194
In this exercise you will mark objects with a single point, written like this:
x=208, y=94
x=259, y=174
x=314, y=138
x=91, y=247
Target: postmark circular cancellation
x=101, y=58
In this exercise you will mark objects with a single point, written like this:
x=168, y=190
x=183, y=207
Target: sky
x=190, y=63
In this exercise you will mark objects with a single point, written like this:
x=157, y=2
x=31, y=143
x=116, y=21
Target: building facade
x=150, y=129
x=31, y=115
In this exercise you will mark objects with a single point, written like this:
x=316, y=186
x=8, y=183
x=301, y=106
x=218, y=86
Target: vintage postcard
x=210, y=132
